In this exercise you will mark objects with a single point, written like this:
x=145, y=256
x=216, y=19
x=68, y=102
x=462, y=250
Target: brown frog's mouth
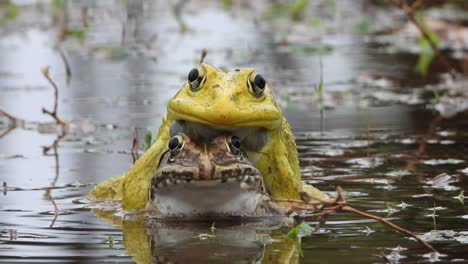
x=178, y=174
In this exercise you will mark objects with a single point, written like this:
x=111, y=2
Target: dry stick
x=339, y=204
x=53, y=114
x=204, y=52
x=409, y=11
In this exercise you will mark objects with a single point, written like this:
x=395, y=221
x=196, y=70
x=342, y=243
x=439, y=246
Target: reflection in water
x=225, y=241
x=45, y=152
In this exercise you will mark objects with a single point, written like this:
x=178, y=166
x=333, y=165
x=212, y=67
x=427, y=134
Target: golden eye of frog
x=214, y=178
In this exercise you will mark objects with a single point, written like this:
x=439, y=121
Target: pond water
x=382, y=151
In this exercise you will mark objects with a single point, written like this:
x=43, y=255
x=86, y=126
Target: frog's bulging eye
x=196, y=78
x=256, y=84
x=176, y=143
x=234, y=145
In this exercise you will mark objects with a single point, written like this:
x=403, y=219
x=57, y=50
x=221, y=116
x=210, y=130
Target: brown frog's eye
x=196, y=78
x=234, y=145
x=176, y=143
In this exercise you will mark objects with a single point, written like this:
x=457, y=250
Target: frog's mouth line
x=264, y=123
x=177, y=174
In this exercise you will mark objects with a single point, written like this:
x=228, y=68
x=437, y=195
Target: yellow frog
x=210, y=103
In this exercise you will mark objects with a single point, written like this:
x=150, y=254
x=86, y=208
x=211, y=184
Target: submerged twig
x=53, y=114
x=409, y=11
x=339, y=205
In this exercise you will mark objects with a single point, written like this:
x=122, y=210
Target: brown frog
x=208, y=178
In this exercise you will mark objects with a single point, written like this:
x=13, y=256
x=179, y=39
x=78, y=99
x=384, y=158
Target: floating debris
x=443, y=181
x=445, y=235
x=398, y=173
x=435, y=162
x=366, y=163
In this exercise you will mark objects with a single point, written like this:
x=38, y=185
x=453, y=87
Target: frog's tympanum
x=212, y=103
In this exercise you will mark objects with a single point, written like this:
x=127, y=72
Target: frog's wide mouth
x=253, y=138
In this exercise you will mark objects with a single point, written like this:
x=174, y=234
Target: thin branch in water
x=47, y=194
x=409, y=11
x=339, y=205
x=56, y=209
x=53, y=114
x=135, y=147
x=389, y=224
x=67, y=65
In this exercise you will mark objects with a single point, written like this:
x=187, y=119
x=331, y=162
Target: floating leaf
x=427, y=54
x=461, y=197
x=110, y=241
x=295, y=234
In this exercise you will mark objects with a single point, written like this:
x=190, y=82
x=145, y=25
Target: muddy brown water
x=382, y=153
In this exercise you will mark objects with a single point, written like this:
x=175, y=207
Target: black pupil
x=193, y=75
x=173, y=143
x=259, y=82
x=235, y=141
